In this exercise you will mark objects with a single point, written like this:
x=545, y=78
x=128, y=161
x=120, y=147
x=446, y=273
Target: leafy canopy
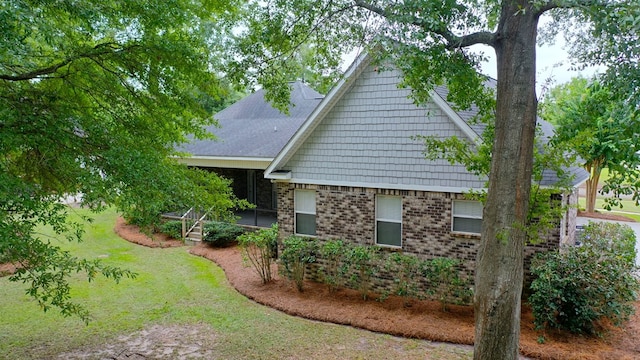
x=94, y=97
x=601, y=128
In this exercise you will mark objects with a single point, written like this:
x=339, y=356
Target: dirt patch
x=156, y=342
x=7, y=269
x=423, y=319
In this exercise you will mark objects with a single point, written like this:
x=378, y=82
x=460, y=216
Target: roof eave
x=226, y=162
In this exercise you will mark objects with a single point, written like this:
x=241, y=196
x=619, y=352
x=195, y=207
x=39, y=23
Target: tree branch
x=452, y=41
x=96, y=51
x=564, y=4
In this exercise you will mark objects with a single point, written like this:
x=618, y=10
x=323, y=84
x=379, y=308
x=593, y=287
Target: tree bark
x=592, y=186
x=499, y=267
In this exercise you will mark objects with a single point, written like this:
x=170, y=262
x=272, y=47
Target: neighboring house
x=353, y=172
x=250, y=134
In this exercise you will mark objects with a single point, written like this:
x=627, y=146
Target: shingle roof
x=253, y=128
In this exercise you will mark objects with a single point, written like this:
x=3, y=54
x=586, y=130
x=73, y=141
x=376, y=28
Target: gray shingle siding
x=366, y=138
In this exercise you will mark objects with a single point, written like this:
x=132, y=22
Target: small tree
x=361, y=265
x=297, y=252
x=601, y=129
x=407, y=270
x=332, y=253
x=257, y=249
x=445, y=283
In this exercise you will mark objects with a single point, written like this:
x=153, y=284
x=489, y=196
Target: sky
x=552, y=62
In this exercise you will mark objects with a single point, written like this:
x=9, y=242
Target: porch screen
x=467, y=216
x=305, y=209
x=389, y=220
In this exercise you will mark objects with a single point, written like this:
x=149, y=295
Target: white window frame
x=304, y=206
x=383, y=216
x=461, y=215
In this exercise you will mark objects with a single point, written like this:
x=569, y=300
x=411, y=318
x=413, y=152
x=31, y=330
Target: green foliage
x=577, y=287
x=445, y=283
x=599, y=127
x=297, y=253
x=95, y=97
x=48, y=284
x=221, y=234
x=178, y=188
x=362, y=265
x=258, y=250
x=333, y=253
x=407, y=271
x=172, y=228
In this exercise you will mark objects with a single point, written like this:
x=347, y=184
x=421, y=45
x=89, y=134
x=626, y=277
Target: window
x=389, y=221
x=305, y=209
x=467, y=216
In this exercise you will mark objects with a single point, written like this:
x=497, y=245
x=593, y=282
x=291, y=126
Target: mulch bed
x=605, y=216
x=423, y=319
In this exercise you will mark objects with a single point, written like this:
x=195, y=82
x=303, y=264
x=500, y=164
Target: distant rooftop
x=251, y=127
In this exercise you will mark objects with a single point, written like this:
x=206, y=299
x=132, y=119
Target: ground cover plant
x=178, y=297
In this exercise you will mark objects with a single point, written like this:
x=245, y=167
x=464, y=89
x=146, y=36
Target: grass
x=629, y=208
x=176, y=288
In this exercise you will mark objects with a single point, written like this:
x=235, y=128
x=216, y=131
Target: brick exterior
x=349, y=213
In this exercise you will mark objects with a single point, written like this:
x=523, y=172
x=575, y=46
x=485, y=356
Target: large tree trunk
x=499, y=271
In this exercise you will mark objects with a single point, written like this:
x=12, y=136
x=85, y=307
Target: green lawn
x=628, y=209
x=176, y=288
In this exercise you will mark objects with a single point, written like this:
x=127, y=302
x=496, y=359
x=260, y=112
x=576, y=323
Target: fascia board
x=455, y=117
x=226, y=162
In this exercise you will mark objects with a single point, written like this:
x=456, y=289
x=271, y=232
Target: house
x=353, y=172
x=250, y=133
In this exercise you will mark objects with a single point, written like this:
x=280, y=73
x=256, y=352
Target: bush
x=445, y=283
x=172, y=228
x=332, y=270
x=575, y=288
x=297, y=252
x=257, y=250
x=361, y=262
x=221, y=234
x=407, y=270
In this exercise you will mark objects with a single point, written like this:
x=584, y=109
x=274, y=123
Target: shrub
x=332, y=271
x=361, y=262
x=257, y=250
x=297, y=252
x=445, y=283
x=407, y=271
x=221, y=234
x=172, y=228
x=575, y=288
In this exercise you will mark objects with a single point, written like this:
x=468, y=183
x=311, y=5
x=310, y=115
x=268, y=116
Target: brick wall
x=349, y=213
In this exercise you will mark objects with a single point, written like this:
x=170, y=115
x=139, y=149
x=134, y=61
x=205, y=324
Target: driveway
x=634, y=225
